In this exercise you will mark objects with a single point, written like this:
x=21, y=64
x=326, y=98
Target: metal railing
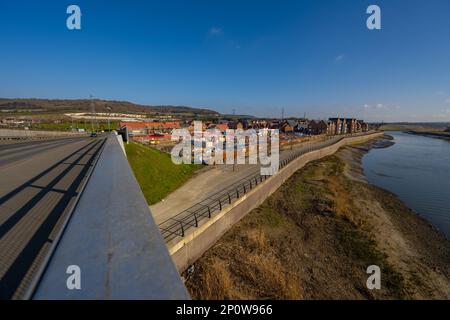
x=122, y=238
x=178, y=225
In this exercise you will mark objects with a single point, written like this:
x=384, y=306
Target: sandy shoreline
x=315, y=237
x=436, y=135
x=353, y=156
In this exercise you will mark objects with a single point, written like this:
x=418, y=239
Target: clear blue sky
x=255, y=56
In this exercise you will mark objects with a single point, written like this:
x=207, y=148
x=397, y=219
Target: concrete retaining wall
x=121, y=143
x=193, y=245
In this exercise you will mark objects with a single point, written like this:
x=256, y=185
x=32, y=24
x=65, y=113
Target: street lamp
x=92, y=113
x=109, y=114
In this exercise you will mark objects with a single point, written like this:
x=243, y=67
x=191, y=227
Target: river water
x=417, y=170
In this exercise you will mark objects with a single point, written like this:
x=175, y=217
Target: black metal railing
x=178, y=225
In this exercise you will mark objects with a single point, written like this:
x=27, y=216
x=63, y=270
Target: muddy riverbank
x=315, y=237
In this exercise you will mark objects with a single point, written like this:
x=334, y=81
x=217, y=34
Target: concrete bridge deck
x=39, y=183
x=109, y=232
x=74, y=201
x=114, y=240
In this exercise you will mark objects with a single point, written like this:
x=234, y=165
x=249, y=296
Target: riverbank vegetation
x=430, y=127
x=315, y=237
x=427, y=129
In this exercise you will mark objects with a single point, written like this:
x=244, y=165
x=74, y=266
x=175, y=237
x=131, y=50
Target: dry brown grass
x=314, y=238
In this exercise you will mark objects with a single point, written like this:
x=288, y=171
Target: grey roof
x=292, y=123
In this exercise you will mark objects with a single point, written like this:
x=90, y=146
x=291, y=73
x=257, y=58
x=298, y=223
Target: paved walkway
x=205, y=184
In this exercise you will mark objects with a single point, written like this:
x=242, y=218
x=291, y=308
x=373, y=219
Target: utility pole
x=109, y=114
x=92, y=114
x=282, y=114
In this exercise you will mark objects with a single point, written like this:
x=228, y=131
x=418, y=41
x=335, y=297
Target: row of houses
x=150, y=128
x=334, y=126
x=347, y=125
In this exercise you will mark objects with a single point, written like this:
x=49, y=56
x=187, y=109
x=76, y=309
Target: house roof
x=219, y=126
x=292, y=123
x=154, y=137
x=143, y=125
x=222, y=126
x=318, y=124
x=323, y=124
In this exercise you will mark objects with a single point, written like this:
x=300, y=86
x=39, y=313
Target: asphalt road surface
x=39, y=183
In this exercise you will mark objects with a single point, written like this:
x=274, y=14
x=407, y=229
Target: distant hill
x=80, y=105
x=414, y=126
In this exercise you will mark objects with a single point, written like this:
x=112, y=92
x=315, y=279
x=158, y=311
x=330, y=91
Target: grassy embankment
x=436, y=129
x=314, y=239
x=155, y=172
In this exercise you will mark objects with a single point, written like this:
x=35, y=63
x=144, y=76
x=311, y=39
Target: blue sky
x=254, y=56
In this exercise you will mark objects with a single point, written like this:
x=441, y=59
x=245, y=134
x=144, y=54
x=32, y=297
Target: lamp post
x=109, y=114
x=92, y=113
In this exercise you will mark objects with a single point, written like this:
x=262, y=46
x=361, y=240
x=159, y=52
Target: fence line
x=178, y=225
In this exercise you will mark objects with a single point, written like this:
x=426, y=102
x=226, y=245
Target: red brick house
x=146, y=128
x=318, y=127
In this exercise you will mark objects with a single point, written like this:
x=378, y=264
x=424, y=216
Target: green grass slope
x=155, y=172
